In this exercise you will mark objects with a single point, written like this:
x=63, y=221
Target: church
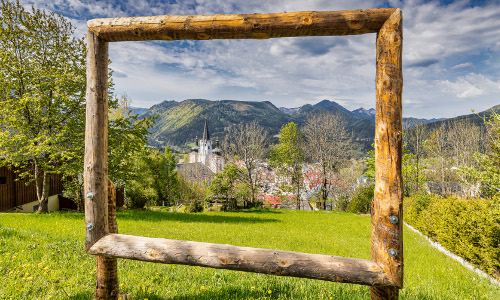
x=203, y=153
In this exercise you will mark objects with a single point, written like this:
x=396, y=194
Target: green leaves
x=288, y=156
x=42, y=91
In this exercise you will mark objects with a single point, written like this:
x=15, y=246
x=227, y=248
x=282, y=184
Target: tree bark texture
x=96, y=141
x=107, y=272
x=387, y=237
x=42, y=182
x=275, y=262
x=240, y=26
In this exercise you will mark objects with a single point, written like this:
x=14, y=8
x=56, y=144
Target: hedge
x=468, y=228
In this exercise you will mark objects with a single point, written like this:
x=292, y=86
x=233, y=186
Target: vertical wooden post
x=107, y=271
x=96, y=141
x=387, y=217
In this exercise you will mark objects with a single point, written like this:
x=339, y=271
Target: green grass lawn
x=43, y=257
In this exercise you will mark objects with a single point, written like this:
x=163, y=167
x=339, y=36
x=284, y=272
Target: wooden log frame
x=384, y=272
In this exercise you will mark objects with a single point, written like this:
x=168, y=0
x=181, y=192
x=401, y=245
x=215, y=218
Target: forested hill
x=179, y=123
x=476, y=118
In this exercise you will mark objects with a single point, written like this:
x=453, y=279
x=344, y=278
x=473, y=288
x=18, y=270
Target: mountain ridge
x=180, y=122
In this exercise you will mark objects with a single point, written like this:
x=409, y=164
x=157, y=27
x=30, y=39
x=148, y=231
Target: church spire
x=206, y=136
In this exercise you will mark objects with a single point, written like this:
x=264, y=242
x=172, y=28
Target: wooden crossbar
x=275, y=262
x=240, y=26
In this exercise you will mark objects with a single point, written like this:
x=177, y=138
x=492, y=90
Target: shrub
x=195, y=206
x=362, y=199
x=469, y=228
x=139, y=197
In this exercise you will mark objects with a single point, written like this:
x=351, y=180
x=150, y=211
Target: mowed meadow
x=43, y=257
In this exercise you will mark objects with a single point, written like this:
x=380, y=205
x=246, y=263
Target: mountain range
x=179, y=123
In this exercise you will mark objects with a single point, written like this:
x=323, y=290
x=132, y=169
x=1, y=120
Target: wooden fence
x=384, y=272
x=15, y=191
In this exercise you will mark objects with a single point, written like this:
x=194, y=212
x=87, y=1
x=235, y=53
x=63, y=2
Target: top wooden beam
x=241, y=26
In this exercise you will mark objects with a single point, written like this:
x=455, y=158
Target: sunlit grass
x=42, y=257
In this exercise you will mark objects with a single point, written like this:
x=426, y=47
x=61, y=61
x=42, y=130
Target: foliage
x=370, y=164
x=191, y=191
x=43, y=256
x=195, y=206
x=139, y=196
x=413, y=175
x=469, y=228
x=288, y=157
x=362, y=199
x=42, y=104
x=42, y=93
x=223, y=186
x=126, y=140
x=164, y=176
x=156, y=181
x=490, y=162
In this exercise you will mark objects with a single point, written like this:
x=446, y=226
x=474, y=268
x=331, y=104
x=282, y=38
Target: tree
x=490, y=162
x=438, y=152
x=127, y=137
x=223, y=186
x=413, y=177
x=163, y=175
x=156, y=181
x=288, y=156
x=42, y=93
x=245, y=141
x=327, y=143
x=466, y=140
x=126, y=140
x=192, y=192
x=414, y=135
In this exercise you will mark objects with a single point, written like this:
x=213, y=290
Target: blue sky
x=451, y=56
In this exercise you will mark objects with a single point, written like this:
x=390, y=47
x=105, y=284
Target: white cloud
x=462, y=66
x=470, y=86
x=295, y=71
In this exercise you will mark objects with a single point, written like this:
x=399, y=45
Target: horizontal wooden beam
x=275, y=262
x=240, y=26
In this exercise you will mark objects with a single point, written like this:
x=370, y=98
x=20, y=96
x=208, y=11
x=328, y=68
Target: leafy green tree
x=243, y=192
x=126, y=140
x=42, y=93
x=223, y=186
x=370, y=164
x=192, y=192
x=156, y=181
x=163, y=175
x=413, y=177
x=127, y=136
x=288, y=156
x=362, y=199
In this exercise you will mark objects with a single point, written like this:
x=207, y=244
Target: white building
x=202, y=152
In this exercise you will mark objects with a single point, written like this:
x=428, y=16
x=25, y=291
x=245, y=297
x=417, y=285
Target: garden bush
x=468, y=228
x=362, y=199
x=195, y=206
x=139, y=197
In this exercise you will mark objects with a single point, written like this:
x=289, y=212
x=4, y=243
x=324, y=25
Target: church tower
x=205, y=151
